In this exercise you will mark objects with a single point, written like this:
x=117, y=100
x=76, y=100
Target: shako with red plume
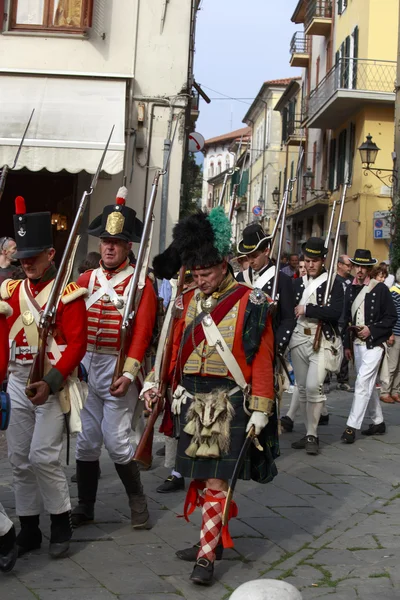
x=33, y=231
x=117, y=221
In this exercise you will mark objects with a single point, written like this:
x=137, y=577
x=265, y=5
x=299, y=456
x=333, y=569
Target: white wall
x=213, y=155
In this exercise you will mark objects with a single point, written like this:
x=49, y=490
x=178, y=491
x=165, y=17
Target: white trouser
x=5, y=522
x=367, y=364
x=309, y=370
x=392, y=386
x=104, y=417
x=34, y=439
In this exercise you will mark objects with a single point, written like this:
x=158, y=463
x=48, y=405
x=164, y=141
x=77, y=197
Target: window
x=227, y=162
x=211, y=170
x=51, y=15
x=219, y=167
x=341, y=157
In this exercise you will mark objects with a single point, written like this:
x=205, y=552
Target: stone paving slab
x=329, y=524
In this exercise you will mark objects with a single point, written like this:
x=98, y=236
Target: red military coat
x=104, y=319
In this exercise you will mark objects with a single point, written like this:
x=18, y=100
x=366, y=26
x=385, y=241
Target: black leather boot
x=87, y=476
x=130, y=477
x=8, y=550
x=30, y=536
x=60, y=534
x=190, y=554
x=203, y=572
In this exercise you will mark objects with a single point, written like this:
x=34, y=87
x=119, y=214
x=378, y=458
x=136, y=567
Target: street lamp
x=368, y=151
x=276, y=195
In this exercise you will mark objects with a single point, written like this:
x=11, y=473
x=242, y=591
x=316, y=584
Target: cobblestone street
x=330, y=525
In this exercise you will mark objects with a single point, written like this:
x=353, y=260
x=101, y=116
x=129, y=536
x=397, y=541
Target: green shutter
x=332, y=157
x=242, y=189
x=284, y=125
x=291, y=177
x=340, y=6
x=341, y=157
x=355, y=55
x=346, y=63
x=352, y=148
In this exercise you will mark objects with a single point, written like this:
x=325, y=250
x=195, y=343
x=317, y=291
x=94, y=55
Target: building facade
x=86, y=67
x=348, y=52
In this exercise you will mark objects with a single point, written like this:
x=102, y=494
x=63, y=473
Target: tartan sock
x=211, y=524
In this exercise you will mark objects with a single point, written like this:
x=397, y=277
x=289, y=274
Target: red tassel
x=20, y=208
x=192, y=499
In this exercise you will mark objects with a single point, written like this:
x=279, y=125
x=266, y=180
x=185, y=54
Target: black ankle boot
x=190, y=554
x=130, y=477
x=203, y=572
x=8, y=550
x=30, y=536
x=61, y=533
x=87, y=477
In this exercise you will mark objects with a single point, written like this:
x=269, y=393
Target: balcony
x=349, y=86
x=318, y=18
x=299, y=50
x=294, y=133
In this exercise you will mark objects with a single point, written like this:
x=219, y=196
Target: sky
x=239, y=45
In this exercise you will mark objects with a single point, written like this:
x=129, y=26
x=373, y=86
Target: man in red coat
x=222, y=376
x=107, y=414
x=35, y=432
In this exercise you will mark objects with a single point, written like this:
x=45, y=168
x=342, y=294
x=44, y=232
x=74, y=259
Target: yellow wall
x=366, y=194
x=377, y=21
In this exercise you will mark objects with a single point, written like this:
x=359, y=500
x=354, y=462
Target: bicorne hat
x=117, y=221
x=200, y=241
x=314, y=247
x=363, y=258
x=254, y=238
x=33, y=231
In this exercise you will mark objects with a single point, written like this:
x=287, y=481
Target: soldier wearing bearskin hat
x=311, y=365
x=221, y=375
x=107, y=414
x=35, y=432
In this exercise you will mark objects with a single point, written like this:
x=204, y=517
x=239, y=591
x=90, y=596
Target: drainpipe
x=165, y=185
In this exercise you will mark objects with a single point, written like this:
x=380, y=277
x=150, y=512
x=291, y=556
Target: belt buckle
x=307, y=330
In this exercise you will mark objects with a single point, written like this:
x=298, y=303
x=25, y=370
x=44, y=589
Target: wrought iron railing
x=356, y=74
x=294, y=128
x=299, y=43
x=318, y=9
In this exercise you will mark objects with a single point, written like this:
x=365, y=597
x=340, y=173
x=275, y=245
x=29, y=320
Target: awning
x=72, y=121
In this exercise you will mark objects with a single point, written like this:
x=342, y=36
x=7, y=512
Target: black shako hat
x=33, y=231
x=314, y=247
x=254, y=238
x=117, y=221
x=363, y=258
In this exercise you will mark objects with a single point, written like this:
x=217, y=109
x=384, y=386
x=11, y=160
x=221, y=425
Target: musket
x=6, y=168
x=289, y=188
x=144, y=450
x=331, y=270
x=47, y=317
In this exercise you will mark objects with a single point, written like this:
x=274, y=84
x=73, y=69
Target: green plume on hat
x=222, y=229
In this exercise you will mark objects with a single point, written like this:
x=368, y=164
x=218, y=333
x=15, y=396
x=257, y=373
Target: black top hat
x=363, y=258
x=117, y=221
x=254, y=238
x=314, y=248
x=33, y=231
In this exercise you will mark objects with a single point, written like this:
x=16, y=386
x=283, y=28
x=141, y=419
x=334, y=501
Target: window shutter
x=346, y=63
x=342, y=157
x=291, y=177
x=355, y=55
x=352, y=147
x=332, y=155
x=340, y=7
x=269, y=127
x=284, y=124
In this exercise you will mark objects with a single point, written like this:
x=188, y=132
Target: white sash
x=107, y=286
x=312, y=287
x=215, y=339
x=246, y=277
x=265, y=277
x=360, y=298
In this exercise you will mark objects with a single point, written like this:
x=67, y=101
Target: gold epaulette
x=73, y=291
x=8, y=287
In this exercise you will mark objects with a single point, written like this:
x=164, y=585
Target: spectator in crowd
x=291, y=268
x=91, y=261
x=390, y=279
x=390, y=391
x=243, y=262
x=380, y=272
x=8, y=248
x=302, y=266
x=284, y=261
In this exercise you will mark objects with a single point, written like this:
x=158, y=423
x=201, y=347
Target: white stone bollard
x=266, y=589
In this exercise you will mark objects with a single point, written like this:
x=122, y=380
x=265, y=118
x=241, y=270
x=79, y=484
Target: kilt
x=259, y=466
